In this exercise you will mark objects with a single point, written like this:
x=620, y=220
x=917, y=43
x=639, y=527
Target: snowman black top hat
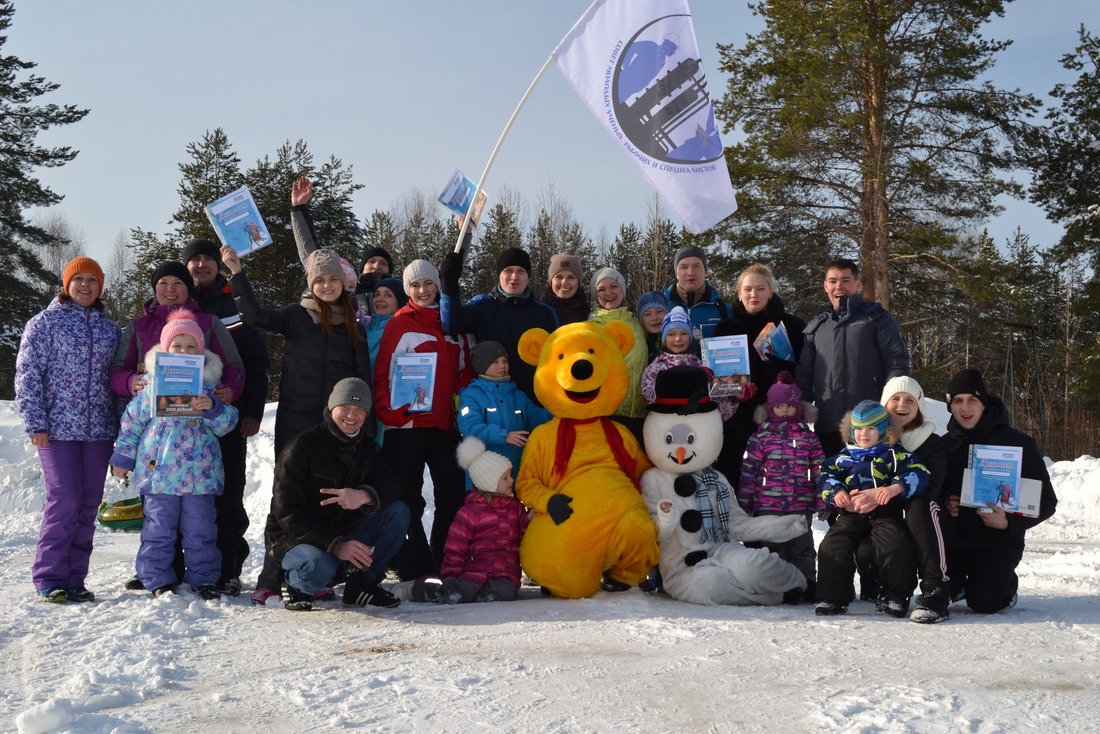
x=682, y=390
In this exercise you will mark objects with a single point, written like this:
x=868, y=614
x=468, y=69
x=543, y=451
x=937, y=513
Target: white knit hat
x=903, y=384
x=419, y=270
x=485, y=467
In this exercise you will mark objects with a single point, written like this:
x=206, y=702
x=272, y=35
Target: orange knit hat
x=81, y=265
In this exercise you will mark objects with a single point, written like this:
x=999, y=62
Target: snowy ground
x=617, y=662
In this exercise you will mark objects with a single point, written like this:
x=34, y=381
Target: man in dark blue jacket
x=501, y=315
x=851, y=349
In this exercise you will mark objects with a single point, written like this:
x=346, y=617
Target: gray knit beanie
x=607, y=273
x=323, y=262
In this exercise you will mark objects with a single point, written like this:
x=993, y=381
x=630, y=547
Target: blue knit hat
x=870, y=414
x=396, y=288
x=677, y=318
x=653, y=299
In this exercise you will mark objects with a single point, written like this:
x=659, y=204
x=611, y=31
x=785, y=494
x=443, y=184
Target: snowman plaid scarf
x=709, y=481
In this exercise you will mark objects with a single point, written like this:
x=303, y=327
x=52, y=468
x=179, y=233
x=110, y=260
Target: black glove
x=449, y=272
x=367, y=282
x=558, y=508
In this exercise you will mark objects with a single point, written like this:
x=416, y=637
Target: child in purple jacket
x=779, y=471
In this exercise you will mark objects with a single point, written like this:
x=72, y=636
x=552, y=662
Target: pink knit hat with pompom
x=179, y=322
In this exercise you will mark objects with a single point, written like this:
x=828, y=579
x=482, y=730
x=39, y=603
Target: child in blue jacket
x=868, y=482
x=494, y=409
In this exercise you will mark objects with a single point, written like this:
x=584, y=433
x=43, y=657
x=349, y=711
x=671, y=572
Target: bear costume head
x=579, y=369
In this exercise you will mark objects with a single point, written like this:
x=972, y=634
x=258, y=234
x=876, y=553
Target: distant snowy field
x=615, y=663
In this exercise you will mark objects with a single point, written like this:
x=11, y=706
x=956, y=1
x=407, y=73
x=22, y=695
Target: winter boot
x=53, y=595
x=297, y=601
x=830, y=609
x=933, y=604
x=79, y=594
x=896, y=608
x=610, y=584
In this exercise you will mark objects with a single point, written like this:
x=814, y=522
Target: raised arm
x=305, y=239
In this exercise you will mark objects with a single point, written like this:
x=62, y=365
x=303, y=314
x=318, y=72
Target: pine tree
x=25, y=285
x=863, y=118
x=1066, y=159
x=380, y=231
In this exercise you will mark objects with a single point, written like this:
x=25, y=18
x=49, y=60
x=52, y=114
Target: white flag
x=637, y=67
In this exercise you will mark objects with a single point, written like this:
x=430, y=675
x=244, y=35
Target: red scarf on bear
x=567, y=439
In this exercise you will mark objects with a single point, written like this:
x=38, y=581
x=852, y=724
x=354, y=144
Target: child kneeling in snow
x=874, y=466
x=481, y=557
x=177, y=468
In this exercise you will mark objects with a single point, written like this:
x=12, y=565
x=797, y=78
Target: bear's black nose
x=581, y=369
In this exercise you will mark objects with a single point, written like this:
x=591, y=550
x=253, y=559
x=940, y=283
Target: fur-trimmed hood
x=761, y=415
x=211, y=369
x=893, y=433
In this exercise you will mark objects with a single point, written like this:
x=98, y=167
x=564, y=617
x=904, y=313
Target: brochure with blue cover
x=412, y=381
x=727, y=357
x=177, y=378
x=993, y=478
x=458, y=193
x=238, y=223
x=774, y=341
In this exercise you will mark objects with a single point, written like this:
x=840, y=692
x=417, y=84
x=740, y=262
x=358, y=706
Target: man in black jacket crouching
x=336, y=503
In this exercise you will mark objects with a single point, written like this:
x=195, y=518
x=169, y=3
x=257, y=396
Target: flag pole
x=496, y=149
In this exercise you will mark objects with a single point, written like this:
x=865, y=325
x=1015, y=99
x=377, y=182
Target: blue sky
x=403, y=92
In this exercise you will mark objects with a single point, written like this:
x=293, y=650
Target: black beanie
x=202, y=247
x=377, y=252
x=968, y=381
x=484, y=354
x=514, y=256
x=171, y=267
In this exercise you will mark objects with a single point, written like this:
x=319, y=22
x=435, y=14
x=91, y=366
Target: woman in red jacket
x=422, y=434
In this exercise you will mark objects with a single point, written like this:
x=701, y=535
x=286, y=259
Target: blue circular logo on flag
x=660, y=97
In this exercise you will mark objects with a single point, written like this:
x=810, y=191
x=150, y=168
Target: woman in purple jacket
x=171, y=291
x=65, y=402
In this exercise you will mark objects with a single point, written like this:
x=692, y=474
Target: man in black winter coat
x=335, y=506
x=212, y=293
x=988, y=542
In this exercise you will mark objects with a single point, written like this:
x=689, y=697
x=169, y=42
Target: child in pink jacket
x=481, y=556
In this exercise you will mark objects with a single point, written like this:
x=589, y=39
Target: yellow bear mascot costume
x=581, y=471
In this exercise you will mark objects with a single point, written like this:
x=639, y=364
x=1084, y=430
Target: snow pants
x=894, y=556
x=988, y=575
x=798, y=552
x=74, y=472
x=167, y=516
x=925, y=522
x=232, y=517
x=409, y=450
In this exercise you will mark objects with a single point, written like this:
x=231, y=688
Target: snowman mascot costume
x=700, y=525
